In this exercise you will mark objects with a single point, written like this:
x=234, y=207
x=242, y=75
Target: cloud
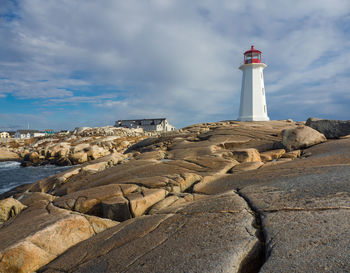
x=176, y=59
x=83, y=99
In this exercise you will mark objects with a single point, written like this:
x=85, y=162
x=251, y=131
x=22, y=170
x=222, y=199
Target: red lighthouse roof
x=252, y=56
x=252, y=49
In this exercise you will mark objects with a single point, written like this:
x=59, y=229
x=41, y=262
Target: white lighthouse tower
x=253, y=100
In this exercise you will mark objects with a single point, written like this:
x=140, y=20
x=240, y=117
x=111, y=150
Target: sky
x=72, y=63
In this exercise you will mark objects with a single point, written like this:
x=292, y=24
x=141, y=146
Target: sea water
x=13, y=175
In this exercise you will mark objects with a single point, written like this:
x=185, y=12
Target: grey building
x=156, y=124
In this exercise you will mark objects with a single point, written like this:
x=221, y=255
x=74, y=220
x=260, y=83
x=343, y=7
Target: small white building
x=253, y=100
x=157, y=124
x=4, y=135
x=37, y=134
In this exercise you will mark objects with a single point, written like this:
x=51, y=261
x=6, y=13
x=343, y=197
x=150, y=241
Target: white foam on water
x=9, y=165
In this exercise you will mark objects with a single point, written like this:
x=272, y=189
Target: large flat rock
x=308, y=241
x=304, y=205
x=6, y=155
x=146, y=172
x=261, y=135
x=333, y=154
x=42, y=232
x=210, y=235
x=89, y=200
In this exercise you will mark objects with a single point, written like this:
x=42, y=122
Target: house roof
x=142, y=122
x=141, y=119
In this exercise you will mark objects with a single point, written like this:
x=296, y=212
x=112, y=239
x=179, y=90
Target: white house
x=22, y=134
x=4, y=135
x=157, y=124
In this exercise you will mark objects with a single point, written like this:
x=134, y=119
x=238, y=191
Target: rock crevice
x=258, y=255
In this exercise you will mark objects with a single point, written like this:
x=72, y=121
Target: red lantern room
x=252, y=56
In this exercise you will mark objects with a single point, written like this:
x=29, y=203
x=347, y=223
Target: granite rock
x=301, y=137
x=330, y=128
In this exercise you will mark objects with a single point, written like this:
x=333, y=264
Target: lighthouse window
x=248, y=59
x=265, y=108
x=263, y=91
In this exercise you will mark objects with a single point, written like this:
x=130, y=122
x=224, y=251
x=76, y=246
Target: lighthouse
x=253, y=100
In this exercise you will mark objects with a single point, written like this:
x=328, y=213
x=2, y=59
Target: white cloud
x=172, y=58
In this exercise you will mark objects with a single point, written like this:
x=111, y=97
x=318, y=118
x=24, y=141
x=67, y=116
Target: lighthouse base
x=253, y=118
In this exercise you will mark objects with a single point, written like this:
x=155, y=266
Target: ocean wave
x=10, y=165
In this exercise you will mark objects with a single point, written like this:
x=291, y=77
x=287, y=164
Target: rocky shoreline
x=82, y=145
x=215, y=197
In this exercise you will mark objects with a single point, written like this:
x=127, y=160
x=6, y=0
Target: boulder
x=78, y=158
x=80, y=147
x=116, y=208
x=188, y=179
x=63, y=152
x=273, y=154
x=114, y=158
x=96, y=167
x=80, y=130
x=22, y=153
x=125, y=144
x=62, y=161
x=330, y=128
x=301, y=137
x=140, y=202
x=34, y=157
x=96, y=152
x=56, y=148
x=10, y=207
x=246, y=155
x=67, y=174
x=292, y=154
